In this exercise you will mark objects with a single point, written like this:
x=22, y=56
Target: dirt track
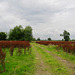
x=70, y=66
x=41, y=67
x=44, y=69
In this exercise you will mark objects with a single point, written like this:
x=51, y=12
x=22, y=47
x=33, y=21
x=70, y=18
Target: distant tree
x=66, y=35
x=34, y=39
x=17, y=33
x=73, y=40
x=3, y=36
x=62, y=39
x=28, y=33
x=38, y=39
x=49, y=39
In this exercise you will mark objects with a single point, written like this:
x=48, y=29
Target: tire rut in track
x=68, y=64
x=41, y=67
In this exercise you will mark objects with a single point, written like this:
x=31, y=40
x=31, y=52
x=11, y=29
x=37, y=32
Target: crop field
x=24, y=58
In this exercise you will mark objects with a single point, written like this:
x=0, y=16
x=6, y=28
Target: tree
x=34, y=39
x=49, y=39
x=28, y=33
x=66, y=35
x=38, y=39
x=17, y=33
x=3, y=36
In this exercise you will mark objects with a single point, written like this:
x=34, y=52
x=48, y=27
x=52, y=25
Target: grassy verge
x=68, y=56
x=56, y=68
x=19, y=65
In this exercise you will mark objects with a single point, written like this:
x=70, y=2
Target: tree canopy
x=28, y=33
x=38, y=39
x=49, y=39
x=3, y=36
x=19, y=33
x=66, y=35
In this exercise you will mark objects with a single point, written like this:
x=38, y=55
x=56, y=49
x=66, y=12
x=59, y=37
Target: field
x=43, y=60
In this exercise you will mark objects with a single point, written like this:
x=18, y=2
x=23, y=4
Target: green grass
x=19, y=65
x=25, y=64
x=67, y=56
x=56, y=68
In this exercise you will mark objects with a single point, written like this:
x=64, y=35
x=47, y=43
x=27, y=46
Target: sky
x=48, y=18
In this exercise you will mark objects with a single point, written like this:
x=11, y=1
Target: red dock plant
x=2, y=59
x=68, y=46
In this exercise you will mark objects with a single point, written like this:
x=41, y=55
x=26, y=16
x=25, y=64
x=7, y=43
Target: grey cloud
x=48, y=18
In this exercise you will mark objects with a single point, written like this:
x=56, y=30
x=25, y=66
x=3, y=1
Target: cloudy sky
x=48, y=18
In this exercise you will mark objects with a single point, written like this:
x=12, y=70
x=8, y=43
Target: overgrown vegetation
x=56, y=67
x=19, y=65
x=60, y=52
x=26, y=64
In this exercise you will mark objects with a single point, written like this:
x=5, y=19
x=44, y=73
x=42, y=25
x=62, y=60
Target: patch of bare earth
x=41, y=67
x=70, y=66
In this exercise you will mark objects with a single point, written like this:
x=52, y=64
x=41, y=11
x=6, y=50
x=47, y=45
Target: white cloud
x=48, y=18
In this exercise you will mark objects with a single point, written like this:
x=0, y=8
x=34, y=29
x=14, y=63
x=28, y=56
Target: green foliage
x=19, y=65
x=72, y=40
x=34, y=39
x=66, y=35
x=28, y=33
x=66, y=38
x=61, y=53
x=49, y=39
x=38, y=39
x=3, y=36
x=18, y=33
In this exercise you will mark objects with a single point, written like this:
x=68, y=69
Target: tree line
x=65, y=35
x=20, y=33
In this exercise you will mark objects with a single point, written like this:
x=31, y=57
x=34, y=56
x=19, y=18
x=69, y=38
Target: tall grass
x=19, y=65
